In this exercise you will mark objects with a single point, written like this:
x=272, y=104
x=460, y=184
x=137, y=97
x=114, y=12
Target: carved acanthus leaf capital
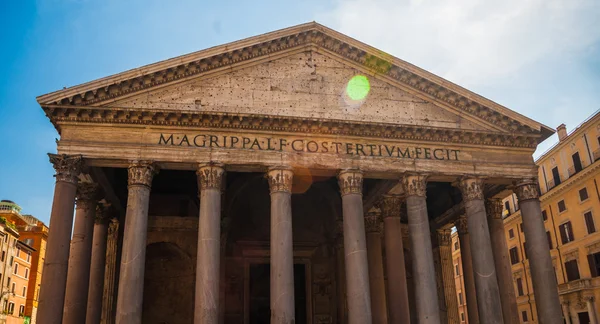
x=113, y=228
x=390, y=205
x=373, y=222
x=67, y=167
x=444, y=237
x=493, y=207
x=527, y=189
x=102, y=212
x=350, y=182
x=471, y=188
x=87, y=193
x=141, y=173
x=461, y=225
x=210, y=176
x=415, y=185
x=280, y=179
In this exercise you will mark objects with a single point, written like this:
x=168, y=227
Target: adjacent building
x=23, y=245
x=570, y=201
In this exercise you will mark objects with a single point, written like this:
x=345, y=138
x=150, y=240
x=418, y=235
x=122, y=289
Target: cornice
x=573, y=180
x=60, y=114
x=267, y=45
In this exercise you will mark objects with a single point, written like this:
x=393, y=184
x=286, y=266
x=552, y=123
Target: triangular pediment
x=298, y=72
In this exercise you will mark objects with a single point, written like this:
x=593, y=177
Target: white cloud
x=471, y=41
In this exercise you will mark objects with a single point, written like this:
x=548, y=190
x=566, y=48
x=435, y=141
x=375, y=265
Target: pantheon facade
x=299, y=176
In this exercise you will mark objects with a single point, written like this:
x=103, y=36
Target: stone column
x=399, y=310
x=52, y=293
x=108, y=295
x=133, y=256
x=282, y=251
x=589, y=301
x=78, y=276
x=97, y=267
x=545, y=288
x=486, y=282
x=445, y=243
x=467, y=266
x=502, y=261
x=342, y=306
x=566, y=313
x=375, y=259
x=206, y=308
x=421, y=251
x=357, y=271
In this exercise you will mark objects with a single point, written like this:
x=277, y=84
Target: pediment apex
x=308, y=35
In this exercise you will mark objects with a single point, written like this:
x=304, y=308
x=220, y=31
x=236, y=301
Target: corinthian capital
x=102, y=212
x=527, y=189
x=471, y=188
x=350, y=182
x=141, y=173
x=210, y=176
x=390, y=206
x=415, y=185
x=280, y=179
x=461, y=225
x=67, y=167
x=493, y=207
x=444, y=237
x=373, y=222
x=86, y=195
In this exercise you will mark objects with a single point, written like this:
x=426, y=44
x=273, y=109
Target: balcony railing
x=575, y=285
x=596, y=155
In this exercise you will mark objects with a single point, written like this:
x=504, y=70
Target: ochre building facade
x=291, y=177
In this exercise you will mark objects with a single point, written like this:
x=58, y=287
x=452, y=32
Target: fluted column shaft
x=467, y=266
x=78, y=275
x=52, y=293
x=399, y=310
x=133, y=256
x=545, y=288
x=108, y=296
x=282, y=251
x=486, y=282
x=502, y=261
x=206, y=308
x=421, y=250
x=445, y=245
x=375, y=259
x=357, y=270
x=97, y=267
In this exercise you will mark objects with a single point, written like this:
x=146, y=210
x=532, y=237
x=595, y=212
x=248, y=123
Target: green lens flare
x=358, y=87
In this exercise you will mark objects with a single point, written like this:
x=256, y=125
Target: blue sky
x=540, y=58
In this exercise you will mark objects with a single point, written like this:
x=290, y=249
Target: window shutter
x=592, y=264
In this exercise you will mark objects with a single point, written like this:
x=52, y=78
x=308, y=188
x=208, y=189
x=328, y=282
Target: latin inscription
x=309, y=146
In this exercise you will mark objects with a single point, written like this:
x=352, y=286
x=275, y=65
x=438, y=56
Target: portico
x=254, y=185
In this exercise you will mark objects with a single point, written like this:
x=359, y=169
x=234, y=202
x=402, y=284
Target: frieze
x=67, y=167
x=103, y=115
x=350, y=182
x=210, y=176
x=315, y=35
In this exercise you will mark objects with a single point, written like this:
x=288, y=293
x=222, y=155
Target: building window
x=524, y=316
x=16, y=269
x=456, y=246
x=28, y=256
x=547, y=236
x=577, y=162
x=26, y=273
x=572, y=270
x=24, y=291
x=8, y=282
x=11, y=308
x=507, y=206
x=514, y=255
x=555, y=176
x=13, y=288
x=525, y=250
x=589, y=222
x=520, y=287
x=566, y=232
x=594, y=262
x=462, y=317
x=561, y=206
x=583, y=194
x=511, y=233
x=544, y=215
x=3, y=255
x=460, y=298
x=12, y=259
x=21, y=310
x=456, y=270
